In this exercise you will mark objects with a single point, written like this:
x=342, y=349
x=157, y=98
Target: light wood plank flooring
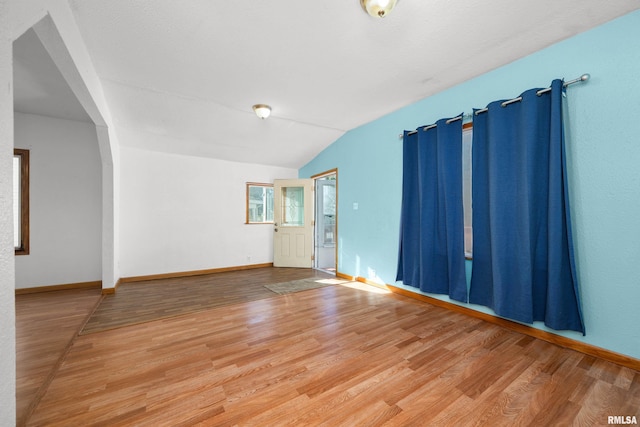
x=158, y=299
x=46, y=323
x=330, y=356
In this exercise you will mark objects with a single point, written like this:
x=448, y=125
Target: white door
x=293, y=223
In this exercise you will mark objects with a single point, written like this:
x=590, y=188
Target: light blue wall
x=604, y=169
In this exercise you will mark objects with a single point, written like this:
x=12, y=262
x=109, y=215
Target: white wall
x=65, y=202
x=180, y=213
x=7, y=301
x=55, y=26
x=67, y=48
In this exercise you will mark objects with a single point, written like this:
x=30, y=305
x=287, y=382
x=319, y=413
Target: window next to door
x=259, y=203
x=21, y=201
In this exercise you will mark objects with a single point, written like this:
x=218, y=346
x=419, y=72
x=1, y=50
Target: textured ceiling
x=182, y=76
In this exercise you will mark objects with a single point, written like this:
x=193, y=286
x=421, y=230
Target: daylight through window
x=467, y=134
x=259, y=203
x=21, y=201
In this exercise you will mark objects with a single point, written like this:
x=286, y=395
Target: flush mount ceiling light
x=262, y=110
x=378, y=8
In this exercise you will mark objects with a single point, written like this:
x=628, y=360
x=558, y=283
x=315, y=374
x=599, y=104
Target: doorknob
x=275, y=230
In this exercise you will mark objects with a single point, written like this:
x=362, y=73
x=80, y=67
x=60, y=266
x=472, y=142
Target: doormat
x=303, y=285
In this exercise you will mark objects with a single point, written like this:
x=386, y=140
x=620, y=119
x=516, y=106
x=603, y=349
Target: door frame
x=316, y=177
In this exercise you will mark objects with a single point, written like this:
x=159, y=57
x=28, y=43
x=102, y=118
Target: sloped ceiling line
x=190, y=72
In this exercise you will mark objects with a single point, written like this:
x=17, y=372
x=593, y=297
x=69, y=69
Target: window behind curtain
x=467, y=134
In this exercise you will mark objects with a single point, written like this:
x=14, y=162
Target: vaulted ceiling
x=181, y=77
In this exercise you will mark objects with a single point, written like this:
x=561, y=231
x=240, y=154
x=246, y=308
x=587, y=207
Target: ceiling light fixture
x=262, y=110
x=378, y=8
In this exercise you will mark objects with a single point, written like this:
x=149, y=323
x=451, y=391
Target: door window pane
x=329, y=214
x=292, y=207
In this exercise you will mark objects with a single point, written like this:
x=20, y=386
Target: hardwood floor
x=158, y=299
x=330, y=356
x=46, y=323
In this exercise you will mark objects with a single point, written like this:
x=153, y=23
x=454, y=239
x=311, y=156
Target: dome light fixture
x=262, y=110
x=378, y=8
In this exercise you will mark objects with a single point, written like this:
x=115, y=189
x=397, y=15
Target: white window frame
x=267, y=213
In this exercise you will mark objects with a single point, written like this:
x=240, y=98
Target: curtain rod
x=582, y=78
x=455, y=119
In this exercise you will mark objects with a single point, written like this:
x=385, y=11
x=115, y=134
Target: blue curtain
x=523, y=261
x=431, y=255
